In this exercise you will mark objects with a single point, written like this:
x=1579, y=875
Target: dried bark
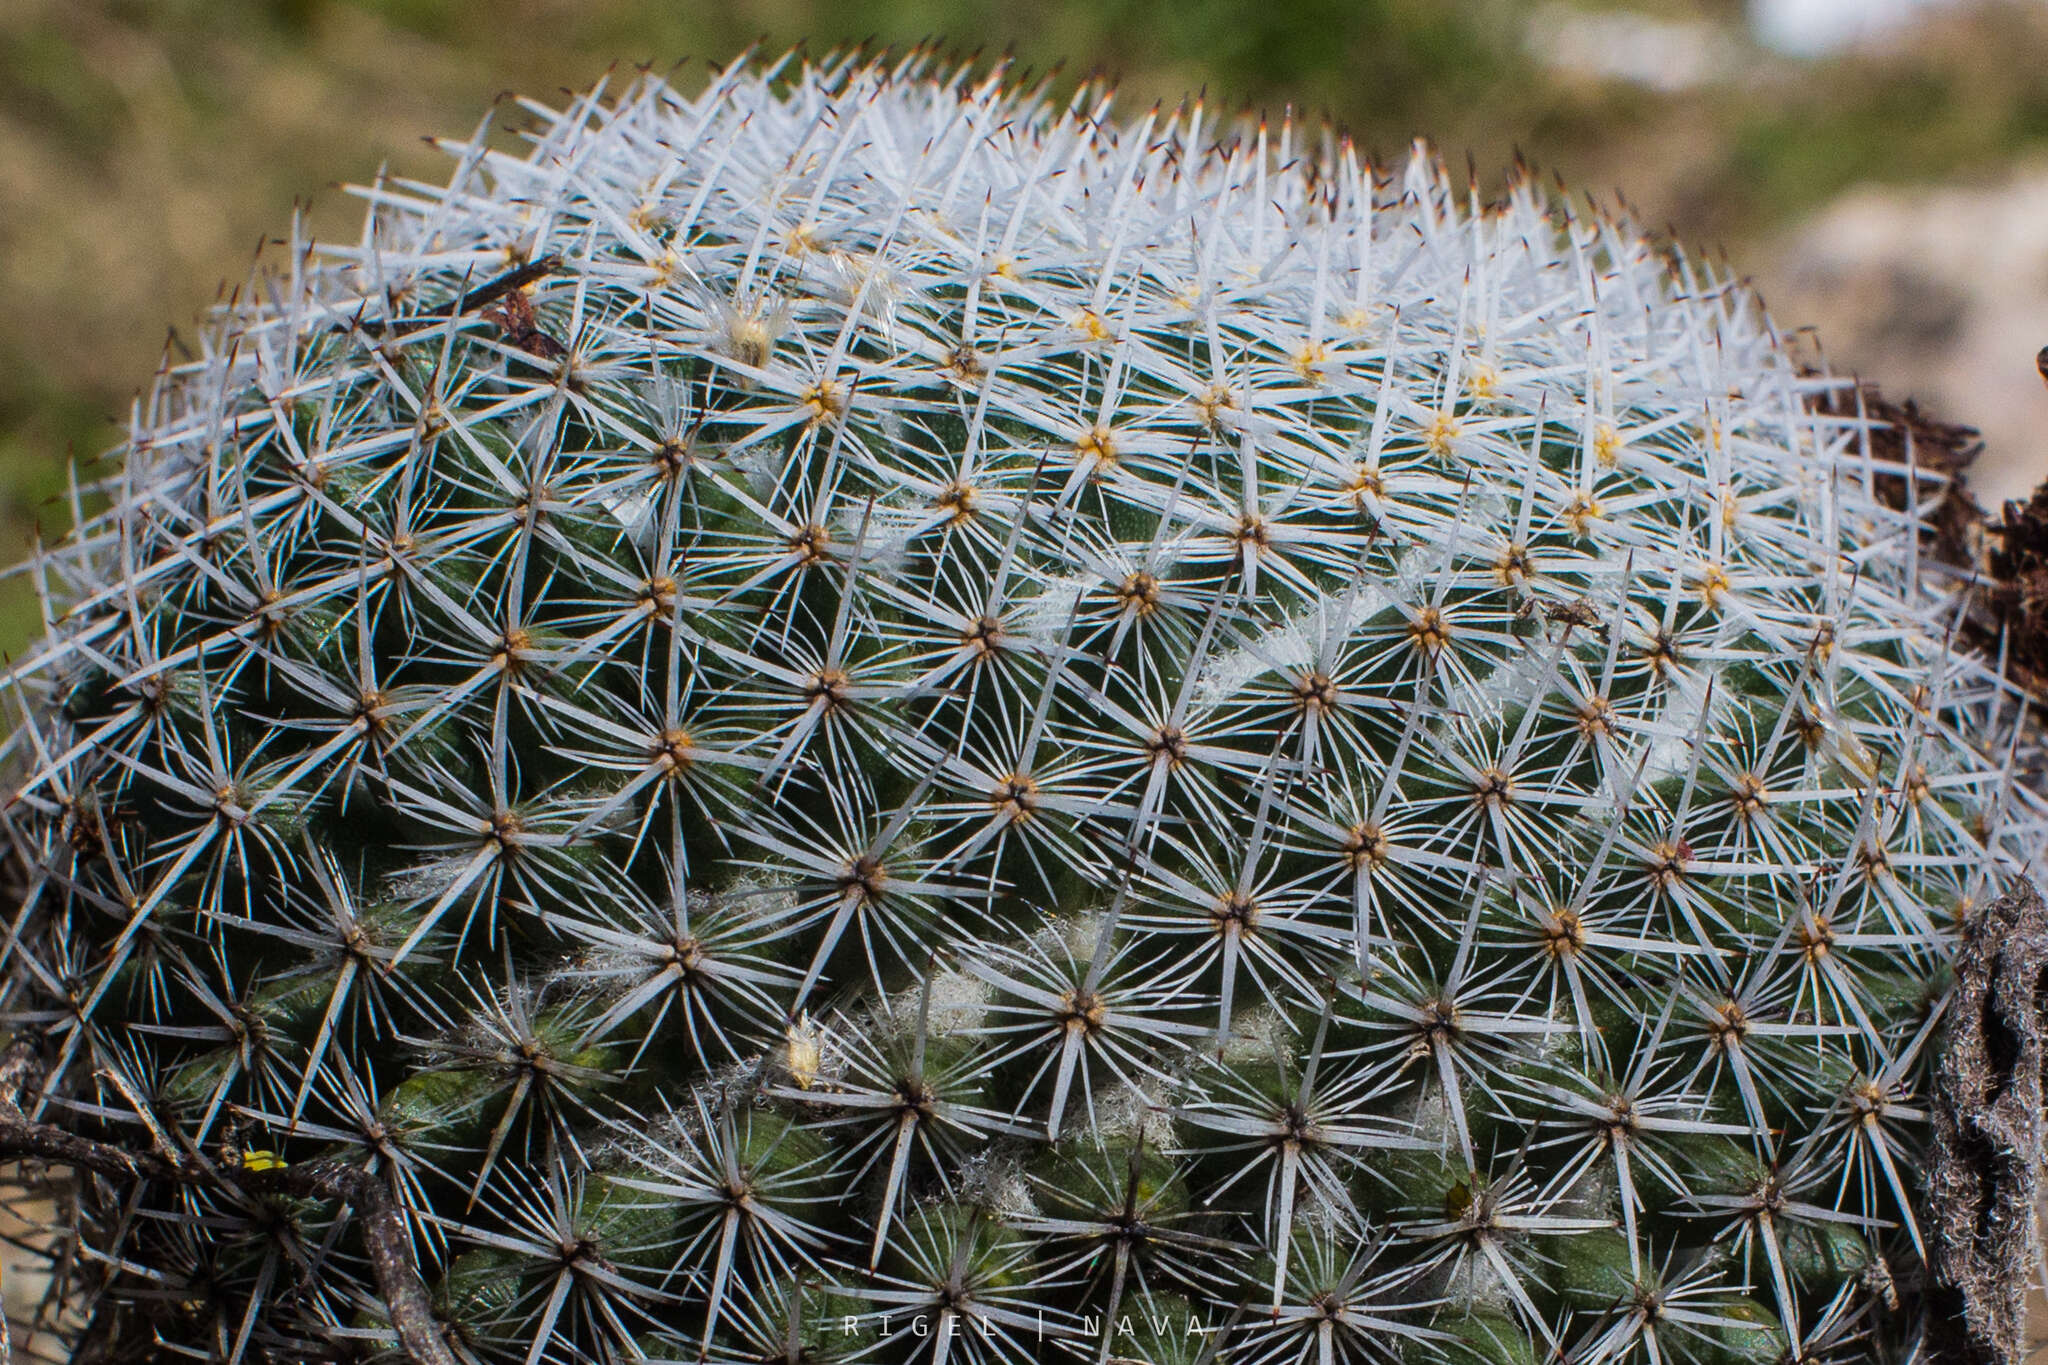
x=1989, y=1130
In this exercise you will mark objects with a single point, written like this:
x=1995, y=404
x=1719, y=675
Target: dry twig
x=405, y=1295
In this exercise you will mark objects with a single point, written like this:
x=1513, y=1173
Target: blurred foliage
x=146, y=146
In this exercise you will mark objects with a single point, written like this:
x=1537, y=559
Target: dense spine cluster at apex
x=858, y=717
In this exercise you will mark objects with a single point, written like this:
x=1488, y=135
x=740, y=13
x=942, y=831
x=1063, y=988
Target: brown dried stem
x=1989, y=1130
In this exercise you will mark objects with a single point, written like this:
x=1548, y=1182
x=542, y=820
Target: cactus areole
x=862, y=717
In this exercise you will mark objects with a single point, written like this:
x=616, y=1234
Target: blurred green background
x=148, y=146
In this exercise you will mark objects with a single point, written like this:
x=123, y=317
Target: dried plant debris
x=1984, y=1186
x=2002, y=563
x=1900, y=437
x=2018, y=590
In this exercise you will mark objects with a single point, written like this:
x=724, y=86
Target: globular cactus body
x=859, y=718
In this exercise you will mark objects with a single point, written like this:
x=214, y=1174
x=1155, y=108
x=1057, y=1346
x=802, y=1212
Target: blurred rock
x=1939, y=294
x=1624, y=45
x=24, y=1275
x=1808, y=28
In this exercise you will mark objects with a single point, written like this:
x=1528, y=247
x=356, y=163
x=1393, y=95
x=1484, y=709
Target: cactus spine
x=860, y=717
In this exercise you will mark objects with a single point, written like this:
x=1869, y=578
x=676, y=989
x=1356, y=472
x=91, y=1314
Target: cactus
x=864, y=717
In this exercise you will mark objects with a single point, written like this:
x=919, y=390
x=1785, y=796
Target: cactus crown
x=859, y=716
